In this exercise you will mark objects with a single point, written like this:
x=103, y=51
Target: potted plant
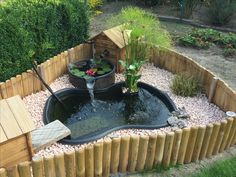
x=140, y=30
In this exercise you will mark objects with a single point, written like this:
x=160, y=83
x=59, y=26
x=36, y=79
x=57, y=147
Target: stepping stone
x=49, y=134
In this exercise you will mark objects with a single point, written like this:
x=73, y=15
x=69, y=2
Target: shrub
x=221, y=11
x=229, y=52
x=32, y=29
x=185, y=85
x=94, y=6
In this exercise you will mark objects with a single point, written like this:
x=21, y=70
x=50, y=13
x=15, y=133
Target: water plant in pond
x=140, y=30
x=90, y=69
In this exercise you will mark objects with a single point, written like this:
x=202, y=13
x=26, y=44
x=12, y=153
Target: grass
x=224, y=168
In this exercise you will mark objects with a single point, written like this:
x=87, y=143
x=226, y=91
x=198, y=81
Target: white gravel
x=201, y=111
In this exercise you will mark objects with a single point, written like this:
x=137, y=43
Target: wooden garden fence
x=134, y=152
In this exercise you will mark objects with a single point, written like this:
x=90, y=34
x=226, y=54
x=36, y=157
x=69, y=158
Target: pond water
x=109, y=111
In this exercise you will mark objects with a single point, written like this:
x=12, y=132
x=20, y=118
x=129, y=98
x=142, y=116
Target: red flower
x=91, y=72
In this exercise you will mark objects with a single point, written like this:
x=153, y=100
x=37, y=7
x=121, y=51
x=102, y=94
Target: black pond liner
x=48, y=114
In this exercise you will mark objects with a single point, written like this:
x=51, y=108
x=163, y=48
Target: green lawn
x=226, y=168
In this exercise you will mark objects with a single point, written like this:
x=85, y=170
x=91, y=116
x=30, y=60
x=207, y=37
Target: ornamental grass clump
x=140, y=30
x=186, y=85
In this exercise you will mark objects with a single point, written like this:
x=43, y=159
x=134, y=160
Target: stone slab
x=49, y=134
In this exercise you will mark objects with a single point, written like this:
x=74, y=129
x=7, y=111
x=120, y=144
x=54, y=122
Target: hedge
x=37, y=30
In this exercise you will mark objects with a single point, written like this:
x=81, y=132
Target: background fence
x=129, y=153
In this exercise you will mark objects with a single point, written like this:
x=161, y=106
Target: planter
x=101, y=80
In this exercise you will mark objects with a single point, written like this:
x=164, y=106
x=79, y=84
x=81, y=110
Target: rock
x=181, y=124
x=172, y=120
x=181, y=113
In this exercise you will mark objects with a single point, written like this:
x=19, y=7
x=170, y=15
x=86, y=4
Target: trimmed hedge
x=36, y=29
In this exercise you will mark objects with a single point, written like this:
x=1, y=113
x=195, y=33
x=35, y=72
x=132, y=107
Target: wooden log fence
x=134, y=152
x=27, y=83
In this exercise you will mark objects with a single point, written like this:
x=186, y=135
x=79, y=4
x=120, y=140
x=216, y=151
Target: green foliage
x=223, y=168
x=229, y=52
x=94, y=6
x=34, y=29
x=99, y=67
x=200, y=38
x=140, y=31
x=203, y=38
x=185, y=85
x=186, y=6
x=221, y=11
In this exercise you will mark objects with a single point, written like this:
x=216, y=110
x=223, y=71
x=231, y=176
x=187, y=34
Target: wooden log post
x=42, y=73
x=89, y=161
x=71, y=55
x=14, y=86
x=48, y=71
x=215, y=131
x=3, y=172
x=226, y=134
x=198, y=143
x=219, y=137
x=98, y=155
x=80, y=162
x=142, y=152
x=231, y=134
x=205, y=142
x=24, y=169
x=115, y=154
x=25, y=83
x=60, y=165
x=37, y=167
x=19, y=85
x=36, y=82
x=183, y=145
x=124, y=153
x=133, y=152
x=168, y=149
x=49, y=167
x=3, y=90
x=151, y=151
x=212, y=88
x=106, y=157
x=9, y=88
x=191, y=144
x=13, y=171
x=176, y=145
x=30, y=81
x=159, y=148
x=70, y=163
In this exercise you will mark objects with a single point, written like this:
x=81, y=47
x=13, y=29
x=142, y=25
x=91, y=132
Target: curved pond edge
x=164, y=97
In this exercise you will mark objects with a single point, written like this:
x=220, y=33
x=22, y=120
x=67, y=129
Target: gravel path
x=200, y=110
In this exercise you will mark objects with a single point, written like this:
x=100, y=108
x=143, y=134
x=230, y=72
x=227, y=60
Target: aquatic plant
x=141, y=30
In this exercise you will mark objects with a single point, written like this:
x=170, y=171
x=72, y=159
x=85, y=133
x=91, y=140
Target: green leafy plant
x=204, y=38
x=99, y=67
x=140, y=30
x=221, y=11
x=200, y=38
x=94, y=6
x=185, y=85
x=37, y=30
